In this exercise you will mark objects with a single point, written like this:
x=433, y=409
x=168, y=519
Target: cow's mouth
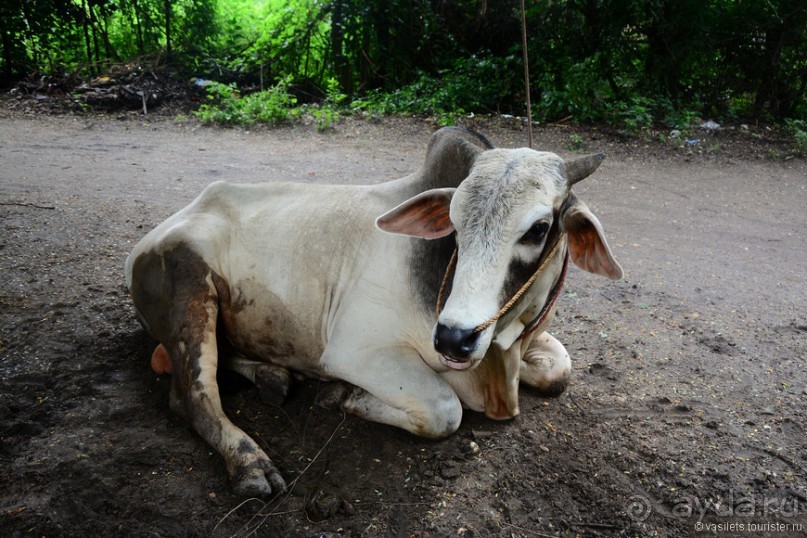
x=455, y=363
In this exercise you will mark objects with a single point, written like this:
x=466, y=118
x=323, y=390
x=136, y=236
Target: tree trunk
x=8, y=60
x=384, y=36
x=307, y=51
x=104, y=25
x=766, y=89
x=340, y=64
x=168, y=27
x=85, y=22
x=94, y=28
x=135, y=21
x=365, y=64
x=662, y=66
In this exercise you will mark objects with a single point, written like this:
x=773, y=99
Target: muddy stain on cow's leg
x=176, y=294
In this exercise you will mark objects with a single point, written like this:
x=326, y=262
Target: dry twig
x=26, y=204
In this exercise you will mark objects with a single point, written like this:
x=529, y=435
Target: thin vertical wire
x=526, y=71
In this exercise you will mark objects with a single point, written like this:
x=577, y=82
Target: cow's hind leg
x=546, y=365
x=194, y=355
x=177, y=295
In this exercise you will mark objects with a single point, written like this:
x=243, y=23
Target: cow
x=420, y=296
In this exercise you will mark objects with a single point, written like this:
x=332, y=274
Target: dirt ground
x=686, y=414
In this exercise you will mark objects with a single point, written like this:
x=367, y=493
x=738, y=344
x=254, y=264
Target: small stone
x=322, y=505
x=348, y=508
x=449, y=471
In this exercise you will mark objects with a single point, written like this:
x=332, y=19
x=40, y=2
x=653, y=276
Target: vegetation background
x=627, y=62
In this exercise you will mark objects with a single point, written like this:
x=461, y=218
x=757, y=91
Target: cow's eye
x=536, y=234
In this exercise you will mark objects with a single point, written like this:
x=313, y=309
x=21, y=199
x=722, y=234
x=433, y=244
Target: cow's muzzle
x=455, y=345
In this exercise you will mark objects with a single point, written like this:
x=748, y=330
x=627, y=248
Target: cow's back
x=279, y=255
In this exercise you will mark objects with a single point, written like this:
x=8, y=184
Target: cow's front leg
x=398, y=390
x=191, y=344
x=546, y=365
x=492, y=387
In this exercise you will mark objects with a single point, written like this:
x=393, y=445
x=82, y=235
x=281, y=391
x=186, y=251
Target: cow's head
x=504, y=214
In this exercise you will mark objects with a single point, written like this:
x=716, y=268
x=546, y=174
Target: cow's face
x=511, y=205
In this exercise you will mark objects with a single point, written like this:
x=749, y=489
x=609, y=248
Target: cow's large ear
x=424, y=215
x=587, y=245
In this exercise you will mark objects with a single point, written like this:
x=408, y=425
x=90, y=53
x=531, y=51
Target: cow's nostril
x=453, y=341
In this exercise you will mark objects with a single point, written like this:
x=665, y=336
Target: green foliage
x=328, y=112
x=575, y=143
x=587, y=98
x=634, y=114
x=481, y=84
x=325, y=116
x=798, y=128
x=228, y=107
x=627, y=62
x=258, y=41
x=683, y=120
x=577, y=91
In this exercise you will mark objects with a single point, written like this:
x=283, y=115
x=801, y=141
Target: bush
x=227, y=106
x=798, y=128
x=477, y=83
x=328, y=112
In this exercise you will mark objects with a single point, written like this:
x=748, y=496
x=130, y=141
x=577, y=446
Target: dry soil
x=686, y=411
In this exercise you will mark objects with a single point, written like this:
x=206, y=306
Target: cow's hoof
x=333, y=395
x=273, y=383
x=258, y=479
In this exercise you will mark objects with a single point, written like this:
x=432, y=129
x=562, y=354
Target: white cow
x=342, y=283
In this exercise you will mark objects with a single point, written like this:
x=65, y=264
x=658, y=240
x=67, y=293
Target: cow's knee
x=546, y=366
x=435, y=417
x=439, y=417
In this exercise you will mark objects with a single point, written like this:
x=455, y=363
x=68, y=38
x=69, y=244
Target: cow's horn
x=580, y=168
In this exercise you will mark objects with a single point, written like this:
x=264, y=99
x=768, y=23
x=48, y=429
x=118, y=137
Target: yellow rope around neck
x=509, y=304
